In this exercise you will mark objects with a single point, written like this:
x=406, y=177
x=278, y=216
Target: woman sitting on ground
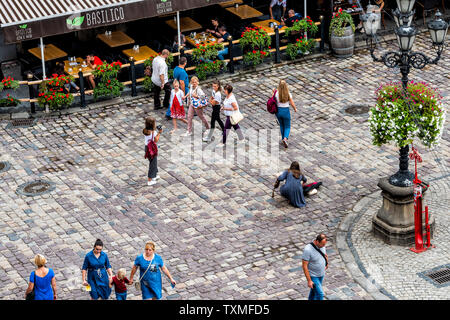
x=295, y=188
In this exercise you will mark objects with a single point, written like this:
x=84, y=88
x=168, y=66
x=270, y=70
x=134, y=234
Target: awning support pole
x=43, y=59
x=178, y=28
x=305, y=14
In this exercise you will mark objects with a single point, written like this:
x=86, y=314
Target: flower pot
x=343, y=46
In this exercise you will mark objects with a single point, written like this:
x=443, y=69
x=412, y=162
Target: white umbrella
x=43, y=59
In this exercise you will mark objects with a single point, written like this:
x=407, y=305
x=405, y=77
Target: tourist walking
x=230, y=106
x=314, y=263
x=96, y=272
x=150, y=266
x=215, y=99
x=160, y=79
x=284, y=99
x=295, y=188
x=197, y=101
x=42, y=280
x=151, y=149
x=177, y=105
x=119, y=281
x=180, y=74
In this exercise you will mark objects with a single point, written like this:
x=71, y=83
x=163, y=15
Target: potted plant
x=342, y=34
x=301, y=46
x=207, y=55
x=9, y=84
x=108, y=84
x=52, y=93
x=400, y=118
x=255, y=43
x=9, y=101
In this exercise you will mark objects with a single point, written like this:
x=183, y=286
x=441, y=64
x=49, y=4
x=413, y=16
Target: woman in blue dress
x=295, y=188
x=98, y=270
x=42, y=280
x=150, y=266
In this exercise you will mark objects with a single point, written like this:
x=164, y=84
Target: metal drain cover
x=4, y=166
x=440, y=276
x=36, y=188
x=21, y=123
x=357, y=109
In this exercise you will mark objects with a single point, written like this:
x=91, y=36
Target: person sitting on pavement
x=295, y=188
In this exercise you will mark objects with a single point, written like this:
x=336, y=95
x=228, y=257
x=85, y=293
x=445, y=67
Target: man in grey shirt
x=314, y=265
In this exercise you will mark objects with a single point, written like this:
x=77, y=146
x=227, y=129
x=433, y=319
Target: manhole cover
x=4, y=166
x=36, y=188
x=20, y=123
x=439, y=276
x=356, y=109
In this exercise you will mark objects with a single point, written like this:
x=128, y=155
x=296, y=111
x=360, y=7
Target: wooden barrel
x=343, y=46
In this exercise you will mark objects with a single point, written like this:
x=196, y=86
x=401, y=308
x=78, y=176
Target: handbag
x=31, y=295
x=137, y=284
x=236, y=117
x=272, y=104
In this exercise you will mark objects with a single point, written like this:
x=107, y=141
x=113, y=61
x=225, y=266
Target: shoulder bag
x=137, y=284
x=236, y=117
x=30, y=296
x=272, y=104
x=321, y=253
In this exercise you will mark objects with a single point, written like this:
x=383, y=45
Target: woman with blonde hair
x=150, y=266
x=284, y=99
x=42, y=280
x=196, y=101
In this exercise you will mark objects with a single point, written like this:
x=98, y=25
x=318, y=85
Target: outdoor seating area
x=142, y=39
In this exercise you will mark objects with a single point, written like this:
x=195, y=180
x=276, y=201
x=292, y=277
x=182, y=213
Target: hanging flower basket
x=9, y=83
x=255, y=43
x=206, y=52
x=400, y=118
x=147, y=83
x=209, y=68
x=108, y=85
x=53, y=94
x=301, y=26
x=301, y=46
x=9, y=101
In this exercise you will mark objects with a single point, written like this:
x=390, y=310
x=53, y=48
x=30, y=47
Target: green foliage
x=300, y=46
x=400, y=118
x=303, y=25
x=9, y=101
x=204, y=69
x=108, y=84
x=206, y=52
x=147, y=84
x=255, y=57
x=254, y=39
x=9, y=83
x=340, y=21
x=52, y=92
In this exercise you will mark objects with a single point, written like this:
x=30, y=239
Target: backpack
x=272, y=104
x=152, y=149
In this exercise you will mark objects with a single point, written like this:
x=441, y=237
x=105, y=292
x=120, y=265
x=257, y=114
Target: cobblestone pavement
x=216, y=225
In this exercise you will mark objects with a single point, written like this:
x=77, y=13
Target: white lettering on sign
x=105, y=16
x=164, y=7
x=24, y=34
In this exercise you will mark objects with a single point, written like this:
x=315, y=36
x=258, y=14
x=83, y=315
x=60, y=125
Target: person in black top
x=292, y=17
x=223, y=37
x=215, y=28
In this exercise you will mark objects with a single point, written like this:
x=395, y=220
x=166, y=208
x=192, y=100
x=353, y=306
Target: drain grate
x=356, y=109
x=36, y=188
x=21, y=123
x=440, y=276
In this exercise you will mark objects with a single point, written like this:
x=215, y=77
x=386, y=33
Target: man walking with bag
x=314, y=263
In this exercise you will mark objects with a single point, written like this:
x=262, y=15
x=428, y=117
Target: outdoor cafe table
x=265, y=25
x=116, y=39
x=210, y=39
x=143, y=53
x=186, y=24
x=245, y=12
x=75, y=68
x=51, y=52
x=230, y=3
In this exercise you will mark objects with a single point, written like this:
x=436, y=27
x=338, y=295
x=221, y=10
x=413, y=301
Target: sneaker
x=313, y=191
x=150, y=183
x=186, y=134
x=156, y=178
x=285, y=143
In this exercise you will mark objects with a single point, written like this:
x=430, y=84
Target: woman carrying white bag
x=234, y=116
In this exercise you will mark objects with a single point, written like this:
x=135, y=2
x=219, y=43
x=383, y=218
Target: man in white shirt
x=277, y=9
x=160, y=80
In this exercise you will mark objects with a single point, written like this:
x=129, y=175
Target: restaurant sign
x=96, y=18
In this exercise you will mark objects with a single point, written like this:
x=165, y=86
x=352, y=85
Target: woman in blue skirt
x=150, y=266
x=98, y=271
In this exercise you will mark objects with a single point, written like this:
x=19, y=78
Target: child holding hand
x=119, y=281
x=176, y=105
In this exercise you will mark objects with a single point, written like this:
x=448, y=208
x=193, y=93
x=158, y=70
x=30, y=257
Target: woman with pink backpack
x=283, y=98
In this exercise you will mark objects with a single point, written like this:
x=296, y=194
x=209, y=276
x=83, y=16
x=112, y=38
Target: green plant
x=255, y=38
x=149, y=62
x=303, y=25
x=340, y=21
x=9, y=101
x=400, y=118
x=206, y=52
x=51, y=92
x=255, y=57
x=206, y=68
x=9, y=83
x=301, y=45
x=108, y=84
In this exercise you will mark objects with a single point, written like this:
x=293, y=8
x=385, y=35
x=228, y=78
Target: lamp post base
x=394, y=221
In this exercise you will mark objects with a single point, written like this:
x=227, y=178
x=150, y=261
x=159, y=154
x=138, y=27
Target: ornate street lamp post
x=394, y=221
x=404, y=59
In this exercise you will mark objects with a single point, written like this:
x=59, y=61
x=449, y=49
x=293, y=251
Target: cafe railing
x=132, y=67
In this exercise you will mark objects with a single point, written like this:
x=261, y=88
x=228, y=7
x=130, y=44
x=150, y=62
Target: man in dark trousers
x=314, y=263
x=160, y=79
